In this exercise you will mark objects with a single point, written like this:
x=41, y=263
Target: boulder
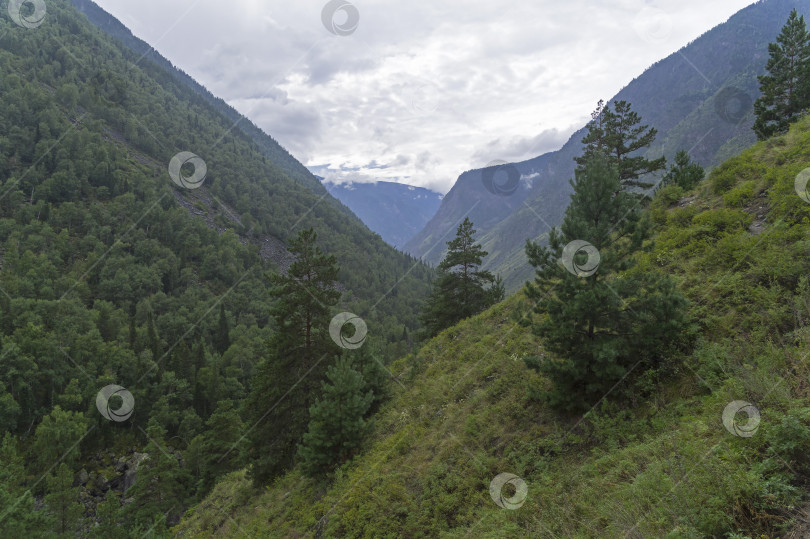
x=132, y=469
x=83, y=477
x=100, y=484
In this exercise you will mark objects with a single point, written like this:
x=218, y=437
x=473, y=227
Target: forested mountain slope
x=672, y=464
x=111, y=273
x=699, y=99
x=266, y=144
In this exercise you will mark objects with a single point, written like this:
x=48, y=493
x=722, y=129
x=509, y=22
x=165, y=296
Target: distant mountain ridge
x=395, y=211
x=698, y=98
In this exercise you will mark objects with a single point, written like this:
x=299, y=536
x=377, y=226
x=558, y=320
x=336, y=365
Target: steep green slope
x=143, y=107
x=664, y=466
x=112, y=274
x=699, y=99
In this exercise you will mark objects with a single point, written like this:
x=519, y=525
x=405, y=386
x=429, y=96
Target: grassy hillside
x=664, y=467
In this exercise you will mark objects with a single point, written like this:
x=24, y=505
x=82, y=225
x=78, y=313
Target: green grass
x=664, y=466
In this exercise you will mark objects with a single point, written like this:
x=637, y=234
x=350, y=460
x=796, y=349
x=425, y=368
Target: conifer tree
x=786, y=87
x=153, y=339
x=288, y=378
x=56, y=437
x=133, y=333
x=223, y=340
x=460, y=290
x=377, y=378
x=684, y=173
x=17, y=515
x=162, y=484
x=598, y=327
x=108, y=513
x=337, y=423
x=63, y=501
x=617, y=134
x=213, y=454
x=182, y=362
x=199, y=362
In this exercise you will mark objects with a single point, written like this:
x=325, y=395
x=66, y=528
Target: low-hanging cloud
x=519, y=148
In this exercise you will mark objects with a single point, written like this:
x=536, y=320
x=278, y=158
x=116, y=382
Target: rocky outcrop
x=106, y=474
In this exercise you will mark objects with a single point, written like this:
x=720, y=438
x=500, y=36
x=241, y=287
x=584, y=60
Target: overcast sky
x=416, y=92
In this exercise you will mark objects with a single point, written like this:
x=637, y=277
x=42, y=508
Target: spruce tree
x=684, y=173
x=199, y=361
x=460, y=290
x=617, y=134
x=162, y=484
x=108, y=515
x=63, y=502
x=786, y=87
x=337, y=423
x=182, y=362
x=222, y=340
x=153, y=339
x=598, y=327
x=17, y=515
x=213, y=453
x=289, y=377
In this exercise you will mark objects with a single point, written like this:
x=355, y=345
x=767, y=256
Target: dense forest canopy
x=137, y=224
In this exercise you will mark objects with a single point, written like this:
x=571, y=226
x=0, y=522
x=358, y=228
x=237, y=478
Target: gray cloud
x=517, y=148
x=426, y=90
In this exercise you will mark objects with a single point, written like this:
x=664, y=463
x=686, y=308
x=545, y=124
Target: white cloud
x=424, y=90
x=528, y=179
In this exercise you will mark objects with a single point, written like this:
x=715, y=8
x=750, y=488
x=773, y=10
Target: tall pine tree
x=460, y=290
x=786, y=87
x=288, y=378
x=598, y=327
x=617, y=134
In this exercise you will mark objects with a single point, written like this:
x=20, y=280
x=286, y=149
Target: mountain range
x=699, y=99
x=144, y=234
x=393, y=210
